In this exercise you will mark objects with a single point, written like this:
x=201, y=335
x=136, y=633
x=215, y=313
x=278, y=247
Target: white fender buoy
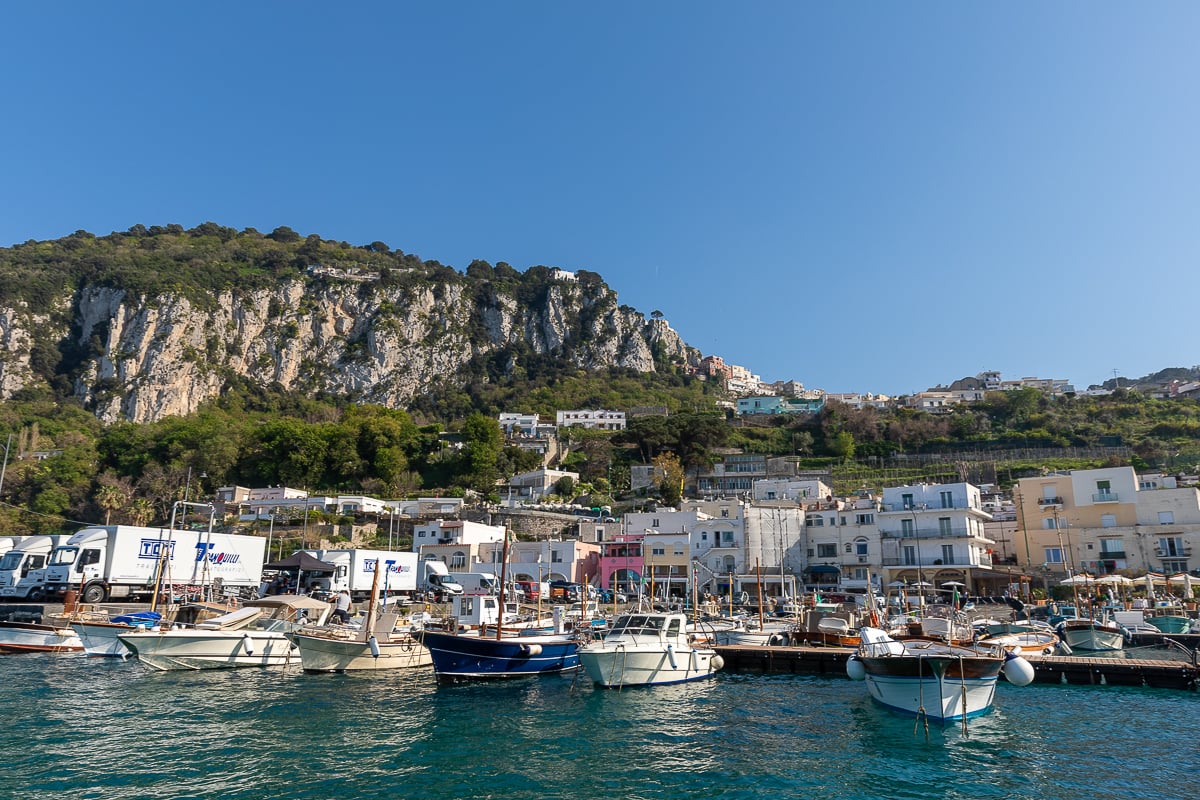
x=1018, y=671
x=248, y=644
x=531, y=649
x=717, y=662
x=373, y=643
x=855, y=669
x=671, y=656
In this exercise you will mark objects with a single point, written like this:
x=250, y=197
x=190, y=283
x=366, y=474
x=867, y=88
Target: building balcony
x=1047, y=502
x=953, y=532
x=1109, y=555
x=1105, y=497
x=930, y=562
x=1178, y=552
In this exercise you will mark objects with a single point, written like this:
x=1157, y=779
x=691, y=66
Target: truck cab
x=79, y=562
x=23, y=568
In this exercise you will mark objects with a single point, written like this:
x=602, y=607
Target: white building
x=935, y=533
x=455, y=543
x=597, y=419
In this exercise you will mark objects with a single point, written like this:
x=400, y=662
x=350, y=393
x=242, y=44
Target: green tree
x=484, y=441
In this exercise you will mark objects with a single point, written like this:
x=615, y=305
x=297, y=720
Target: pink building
x=622, y=563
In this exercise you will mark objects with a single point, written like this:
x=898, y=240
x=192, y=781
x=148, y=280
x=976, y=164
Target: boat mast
x=369, y=626
x=503, y=578
x=758, y=571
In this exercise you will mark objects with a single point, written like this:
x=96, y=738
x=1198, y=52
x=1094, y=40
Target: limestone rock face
x=144, y=358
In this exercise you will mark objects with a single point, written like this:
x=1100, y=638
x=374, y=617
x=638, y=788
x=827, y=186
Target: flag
x=956, y=598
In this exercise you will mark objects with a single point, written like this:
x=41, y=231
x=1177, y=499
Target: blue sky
x=859, y=196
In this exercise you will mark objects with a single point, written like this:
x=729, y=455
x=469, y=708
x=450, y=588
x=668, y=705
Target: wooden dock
x=831, y=661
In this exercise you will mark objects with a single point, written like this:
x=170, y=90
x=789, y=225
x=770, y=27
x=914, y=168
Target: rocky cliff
x=140, y=356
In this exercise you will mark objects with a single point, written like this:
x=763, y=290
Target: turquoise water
x=90, y=728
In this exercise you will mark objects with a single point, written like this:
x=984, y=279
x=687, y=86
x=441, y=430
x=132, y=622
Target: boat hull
x=615, y=665
x=30, y=637
x=1171, y=623
x=100, y=638
x=198, y=649
x=326, y=654
x=940, y=688
x=460, y=657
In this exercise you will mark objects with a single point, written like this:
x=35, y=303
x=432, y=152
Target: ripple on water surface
x=92, y=728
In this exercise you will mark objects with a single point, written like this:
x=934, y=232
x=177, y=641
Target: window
x=727, y=538
x=704, y=536
x=1166, y=518
x=908, y=528
x=947, y=499
x=816, y=522
x=458, y=559
x=906, y=500
x=555, y=557
x=826, y=551
x=864, y=519
x=655, y=523
x=1170, y=546
x=1048, y=524
x=1108, y=520
x=599, y=533
x=943, y=526
x=910, y=555
x=860, y=547
x=724, y=512
x=1053, y=555
x=860, y=573
x=678, y=549
x=1111, y=546
x=947, y=554
x=849, y=547
x=1171, y=565
x=658, y=550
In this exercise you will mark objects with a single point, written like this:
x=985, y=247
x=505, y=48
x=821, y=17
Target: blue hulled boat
x=468, y=656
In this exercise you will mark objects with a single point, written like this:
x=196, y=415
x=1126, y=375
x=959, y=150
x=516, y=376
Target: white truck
x=434, y=578
x=477, y=582
x=356, y=572
x=22, y=568
x=118, y=561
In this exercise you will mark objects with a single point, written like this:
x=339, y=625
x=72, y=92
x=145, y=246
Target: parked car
x=606, y=596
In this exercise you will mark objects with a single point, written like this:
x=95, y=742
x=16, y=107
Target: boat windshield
x=64, y=555
x=637, y=624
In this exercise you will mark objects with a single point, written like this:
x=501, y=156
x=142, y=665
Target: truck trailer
x=356, y=572
x=118, y=561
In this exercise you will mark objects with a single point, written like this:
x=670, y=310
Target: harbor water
x=90, y=728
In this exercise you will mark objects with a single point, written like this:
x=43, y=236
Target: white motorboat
x=1091, y=634
x=754, y=635
x=335, y=648
x=251, y=636
x=35, y=637
x=648, y=648
x=1043, y=642
x=931, y=679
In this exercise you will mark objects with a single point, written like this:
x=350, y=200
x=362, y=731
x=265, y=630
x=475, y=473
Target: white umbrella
x=952, y=585
x=1076, y=580
x=897, y=584
x=1186, y=580
x=923, y=585
x=1117, y=580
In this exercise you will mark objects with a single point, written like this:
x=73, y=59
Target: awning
x=302, y=561
x=823, y=569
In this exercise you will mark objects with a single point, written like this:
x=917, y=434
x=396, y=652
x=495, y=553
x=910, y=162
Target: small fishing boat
x=37, y=637
x=251, y=636
x=931, y=679
x=643, y=649
x=506, y=653
x=376, y=645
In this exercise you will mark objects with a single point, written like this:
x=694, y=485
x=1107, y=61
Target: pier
x=1155, y=673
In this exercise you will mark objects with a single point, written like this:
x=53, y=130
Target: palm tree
x=110, y=497
x=142, y=511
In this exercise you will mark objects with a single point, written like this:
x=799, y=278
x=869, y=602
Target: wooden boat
x=36, y=637
x=648, y=648
x=376, y=645
x=934, y=680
